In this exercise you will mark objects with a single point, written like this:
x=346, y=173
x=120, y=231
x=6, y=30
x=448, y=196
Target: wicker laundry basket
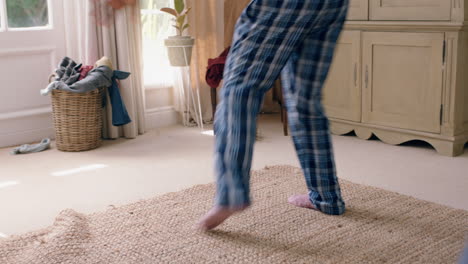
x=77, y=119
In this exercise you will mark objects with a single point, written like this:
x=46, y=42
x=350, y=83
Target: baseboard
x=161, y=117
x=32, y=126
x=26, y=137
x=26, y=126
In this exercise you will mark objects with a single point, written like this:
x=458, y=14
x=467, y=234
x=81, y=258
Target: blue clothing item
x=297, y=38
x=120, y=115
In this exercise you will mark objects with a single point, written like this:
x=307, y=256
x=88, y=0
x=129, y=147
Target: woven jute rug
x=378, y=227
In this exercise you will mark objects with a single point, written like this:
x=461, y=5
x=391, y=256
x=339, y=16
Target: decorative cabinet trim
x=413, y=10
x=450, y=76
x=405, y=26
x=444, y=145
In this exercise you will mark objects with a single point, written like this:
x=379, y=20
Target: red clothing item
x=214, y=73
x=84, y=71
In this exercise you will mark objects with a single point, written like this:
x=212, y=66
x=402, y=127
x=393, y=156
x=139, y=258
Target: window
x=24, y=14
x=156, y=27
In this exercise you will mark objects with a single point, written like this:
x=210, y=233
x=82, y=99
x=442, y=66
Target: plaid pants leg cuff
x=330, y=209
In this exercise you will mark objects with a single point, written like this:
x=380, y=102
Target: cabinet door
x=410, y=9
x=358, y=10
x=342, y=90
x=403, y=80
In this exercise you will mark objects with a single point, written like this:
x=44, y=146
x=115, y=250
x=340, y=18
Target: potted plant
x=179, y=47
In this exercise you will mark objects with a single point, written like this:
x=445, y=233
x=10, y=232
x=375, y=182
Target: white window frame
x=4, y=19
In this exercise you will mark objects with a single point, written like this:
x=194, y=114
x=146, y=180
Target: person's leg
x=303, y=78
x=266, y=35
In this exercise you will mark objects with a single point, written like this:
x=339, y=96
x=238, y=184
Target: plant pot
x=179, y=49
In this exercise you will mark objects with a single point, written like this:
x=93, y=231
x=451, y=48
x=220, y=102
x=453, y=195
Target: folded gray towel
x=68, y=71
x=24, y=149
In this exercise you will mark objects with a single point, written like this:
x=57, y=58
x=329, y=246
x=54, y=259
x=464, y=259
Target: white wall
x=27, y=58
x=160, y=110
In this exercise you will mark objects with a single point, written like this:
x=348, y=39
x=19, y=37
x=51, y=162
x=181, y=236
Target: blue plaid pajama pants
x=295, y=39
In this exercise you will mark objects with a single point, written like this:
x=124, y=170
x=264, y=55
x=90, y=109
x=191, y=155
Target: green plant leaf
x=181, y=20
x=170, y=11
x=179, y=6
x=184, y=28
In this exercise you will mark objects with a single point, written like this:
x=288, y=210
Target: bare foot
x=301, y=200
x=216, y=216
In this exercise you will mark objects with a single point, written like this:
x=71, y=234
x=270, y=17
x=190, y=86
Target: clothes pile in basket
x=76, y=78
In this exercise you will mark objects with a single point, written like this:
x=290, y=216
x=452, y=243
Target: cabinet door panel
x=403, y=80
x=342, y=90
x=358, y=10
x=410, y=9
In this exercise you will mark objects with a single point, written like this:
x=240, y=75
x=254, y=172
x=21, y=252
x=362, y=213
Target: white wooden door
x=410, y=9
x=32, y=41
x=358, y=10
x=342, y=90
x=403, y=80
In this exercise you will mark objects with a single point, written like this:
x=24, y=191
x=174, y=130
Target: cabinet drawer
x=358, y=10
x=410, y=10
x=402, y=75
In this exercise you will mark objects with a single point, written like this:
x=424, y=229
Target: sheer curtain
x=212, y=25
x=119, y=38
x=233, y=9
x=207, y=27
x=156, y=27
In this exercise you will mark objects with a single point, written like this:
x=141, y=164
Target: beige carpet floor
x=378, y=227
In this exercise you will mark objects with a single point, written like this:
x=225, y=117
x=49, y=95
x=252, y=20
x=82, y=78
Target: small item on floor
x=27, y=148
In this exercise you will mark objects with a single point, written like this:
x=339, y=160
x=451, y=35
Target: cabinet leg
x=450, y=149
x=282, y=113
x=363, y=133
x=214, y=101
x=285, y=121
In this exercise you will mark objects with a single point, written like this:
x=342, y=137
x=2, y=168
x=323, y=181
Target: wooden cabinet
x=342, y=91
x=403, y=79
x=410, y=9
x=358, y=10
